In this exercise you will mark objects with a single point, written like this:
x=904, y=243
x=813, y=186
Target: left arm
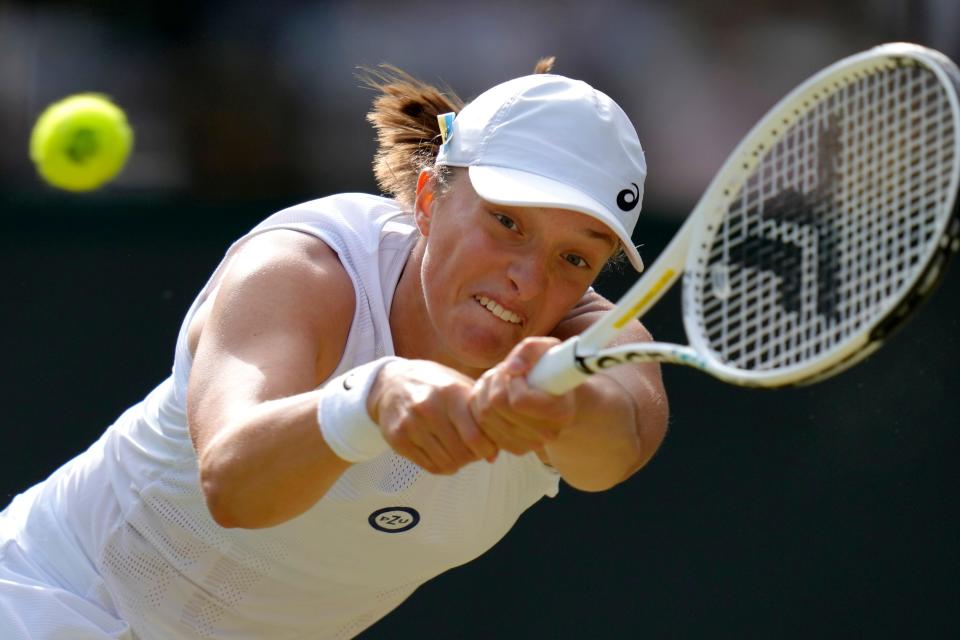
x=598, y=434
x=621, y=416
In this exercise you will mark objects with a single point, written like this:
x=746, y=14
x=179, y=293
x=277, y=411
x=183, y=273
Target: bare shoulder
x=588, y=310
x=280, y=278
x=293, y=254
x=591, y=302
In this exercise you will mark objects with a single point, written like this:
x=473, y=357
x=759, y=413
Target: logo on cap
x=628, y=198
x=446, y=126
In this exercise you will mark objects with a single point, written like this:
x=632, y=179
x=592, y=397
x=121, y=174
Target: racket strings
x=834, y=221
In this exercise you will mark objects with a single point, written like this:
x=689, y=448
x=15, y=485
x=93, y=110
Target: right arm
x=276, y=328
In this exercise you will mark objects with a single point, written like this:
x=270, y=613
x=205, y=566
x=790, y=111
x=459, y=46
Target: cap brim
x=519, y=188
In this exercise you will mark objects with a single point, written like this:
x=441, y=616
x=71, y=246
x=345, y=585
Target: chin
x=479, y=342
x=483, y=359
x=484, y=352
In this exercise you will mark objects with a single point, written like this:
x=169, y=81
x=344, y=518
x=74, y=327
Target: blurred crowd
x=252, y=100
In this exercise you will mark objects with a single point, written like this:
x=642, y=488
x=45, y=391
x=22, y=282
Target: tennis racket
x=823, y=231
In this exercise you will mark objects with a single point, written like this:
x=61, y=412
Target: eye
x=576, y=260
x=506, y=221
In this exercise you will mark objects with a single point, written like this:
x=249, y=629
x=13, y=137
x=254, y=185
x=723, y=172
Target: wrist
x=343, y=417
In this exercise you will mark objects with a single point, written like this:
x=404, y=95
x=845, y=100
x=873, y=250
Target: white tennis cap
x=548, y=141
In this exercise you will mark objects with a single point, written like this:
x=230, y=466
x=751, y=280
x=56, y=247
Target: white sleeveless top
x=126, y=520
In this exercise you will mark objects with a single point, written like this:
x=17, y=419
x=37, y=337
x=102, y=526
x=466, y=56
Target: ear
x=423, y=205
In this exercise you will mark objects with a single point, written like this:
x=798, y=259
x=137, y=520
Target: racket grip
x=557, y=372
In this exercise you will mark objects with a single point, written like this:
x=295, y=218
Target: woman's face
x=494, y=274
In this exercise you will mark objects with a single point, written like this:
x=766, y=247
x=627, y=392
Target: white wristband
x=342, y=413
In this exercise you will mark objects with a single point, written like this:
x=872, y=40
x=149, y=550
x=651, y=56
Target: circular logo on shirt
x=394, y=519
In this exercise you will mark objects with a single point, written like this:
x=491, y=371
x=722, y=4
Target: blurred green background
x=823, y=511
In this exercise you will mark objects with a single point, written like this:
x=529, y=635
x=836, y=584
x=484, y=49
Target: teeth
x=497, y=310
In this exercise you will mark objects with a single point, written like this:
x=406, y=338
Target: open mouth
x=497, y=310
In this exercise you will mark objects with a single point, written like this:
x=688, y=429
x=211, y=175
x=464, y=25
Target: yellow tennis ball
x=81, y=142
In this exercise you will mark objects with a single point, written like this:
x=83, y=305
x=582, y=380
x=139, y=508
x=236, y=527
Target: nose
x=527, y=272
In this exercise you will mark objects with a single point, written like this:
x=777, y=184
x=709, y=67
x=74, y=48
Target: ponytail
x=404, y=115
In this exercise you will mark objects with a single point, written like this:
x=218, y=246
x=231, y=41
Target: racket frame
x=572, y=362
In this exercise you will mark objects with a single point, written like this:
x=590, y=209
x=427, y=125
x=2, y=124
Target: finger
x=416, y=455
x=448, y=437
x=538, y=406
x=533, y=432
x=422, y=437
x=526, y=353
x=490, y=407
x=471, y=435
x=509, y=436
x=494, y=399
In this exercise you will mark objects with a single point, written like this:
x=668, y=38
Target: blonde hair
x=404, y=115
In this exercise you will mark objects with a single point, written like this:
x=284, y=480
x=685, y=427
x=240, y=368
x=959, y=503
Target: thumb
x=523, y=356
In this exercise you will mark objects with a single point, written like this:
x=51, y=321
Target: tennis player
x=348, y=414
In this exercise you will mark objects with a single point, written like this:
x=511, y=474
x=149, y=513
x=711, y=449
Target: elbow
x=217, y=498
x=593, y=484
x=222, y=515
x=224, y=499
x=613, y=474
x=651, y=432
x=651, y=419
x=641, y=433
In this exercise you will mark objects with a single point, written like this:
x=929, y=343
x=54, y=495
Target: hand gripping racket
x=823, y=231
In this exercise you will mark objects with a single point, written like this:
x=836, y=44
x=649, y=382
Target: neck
x=407, y=308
